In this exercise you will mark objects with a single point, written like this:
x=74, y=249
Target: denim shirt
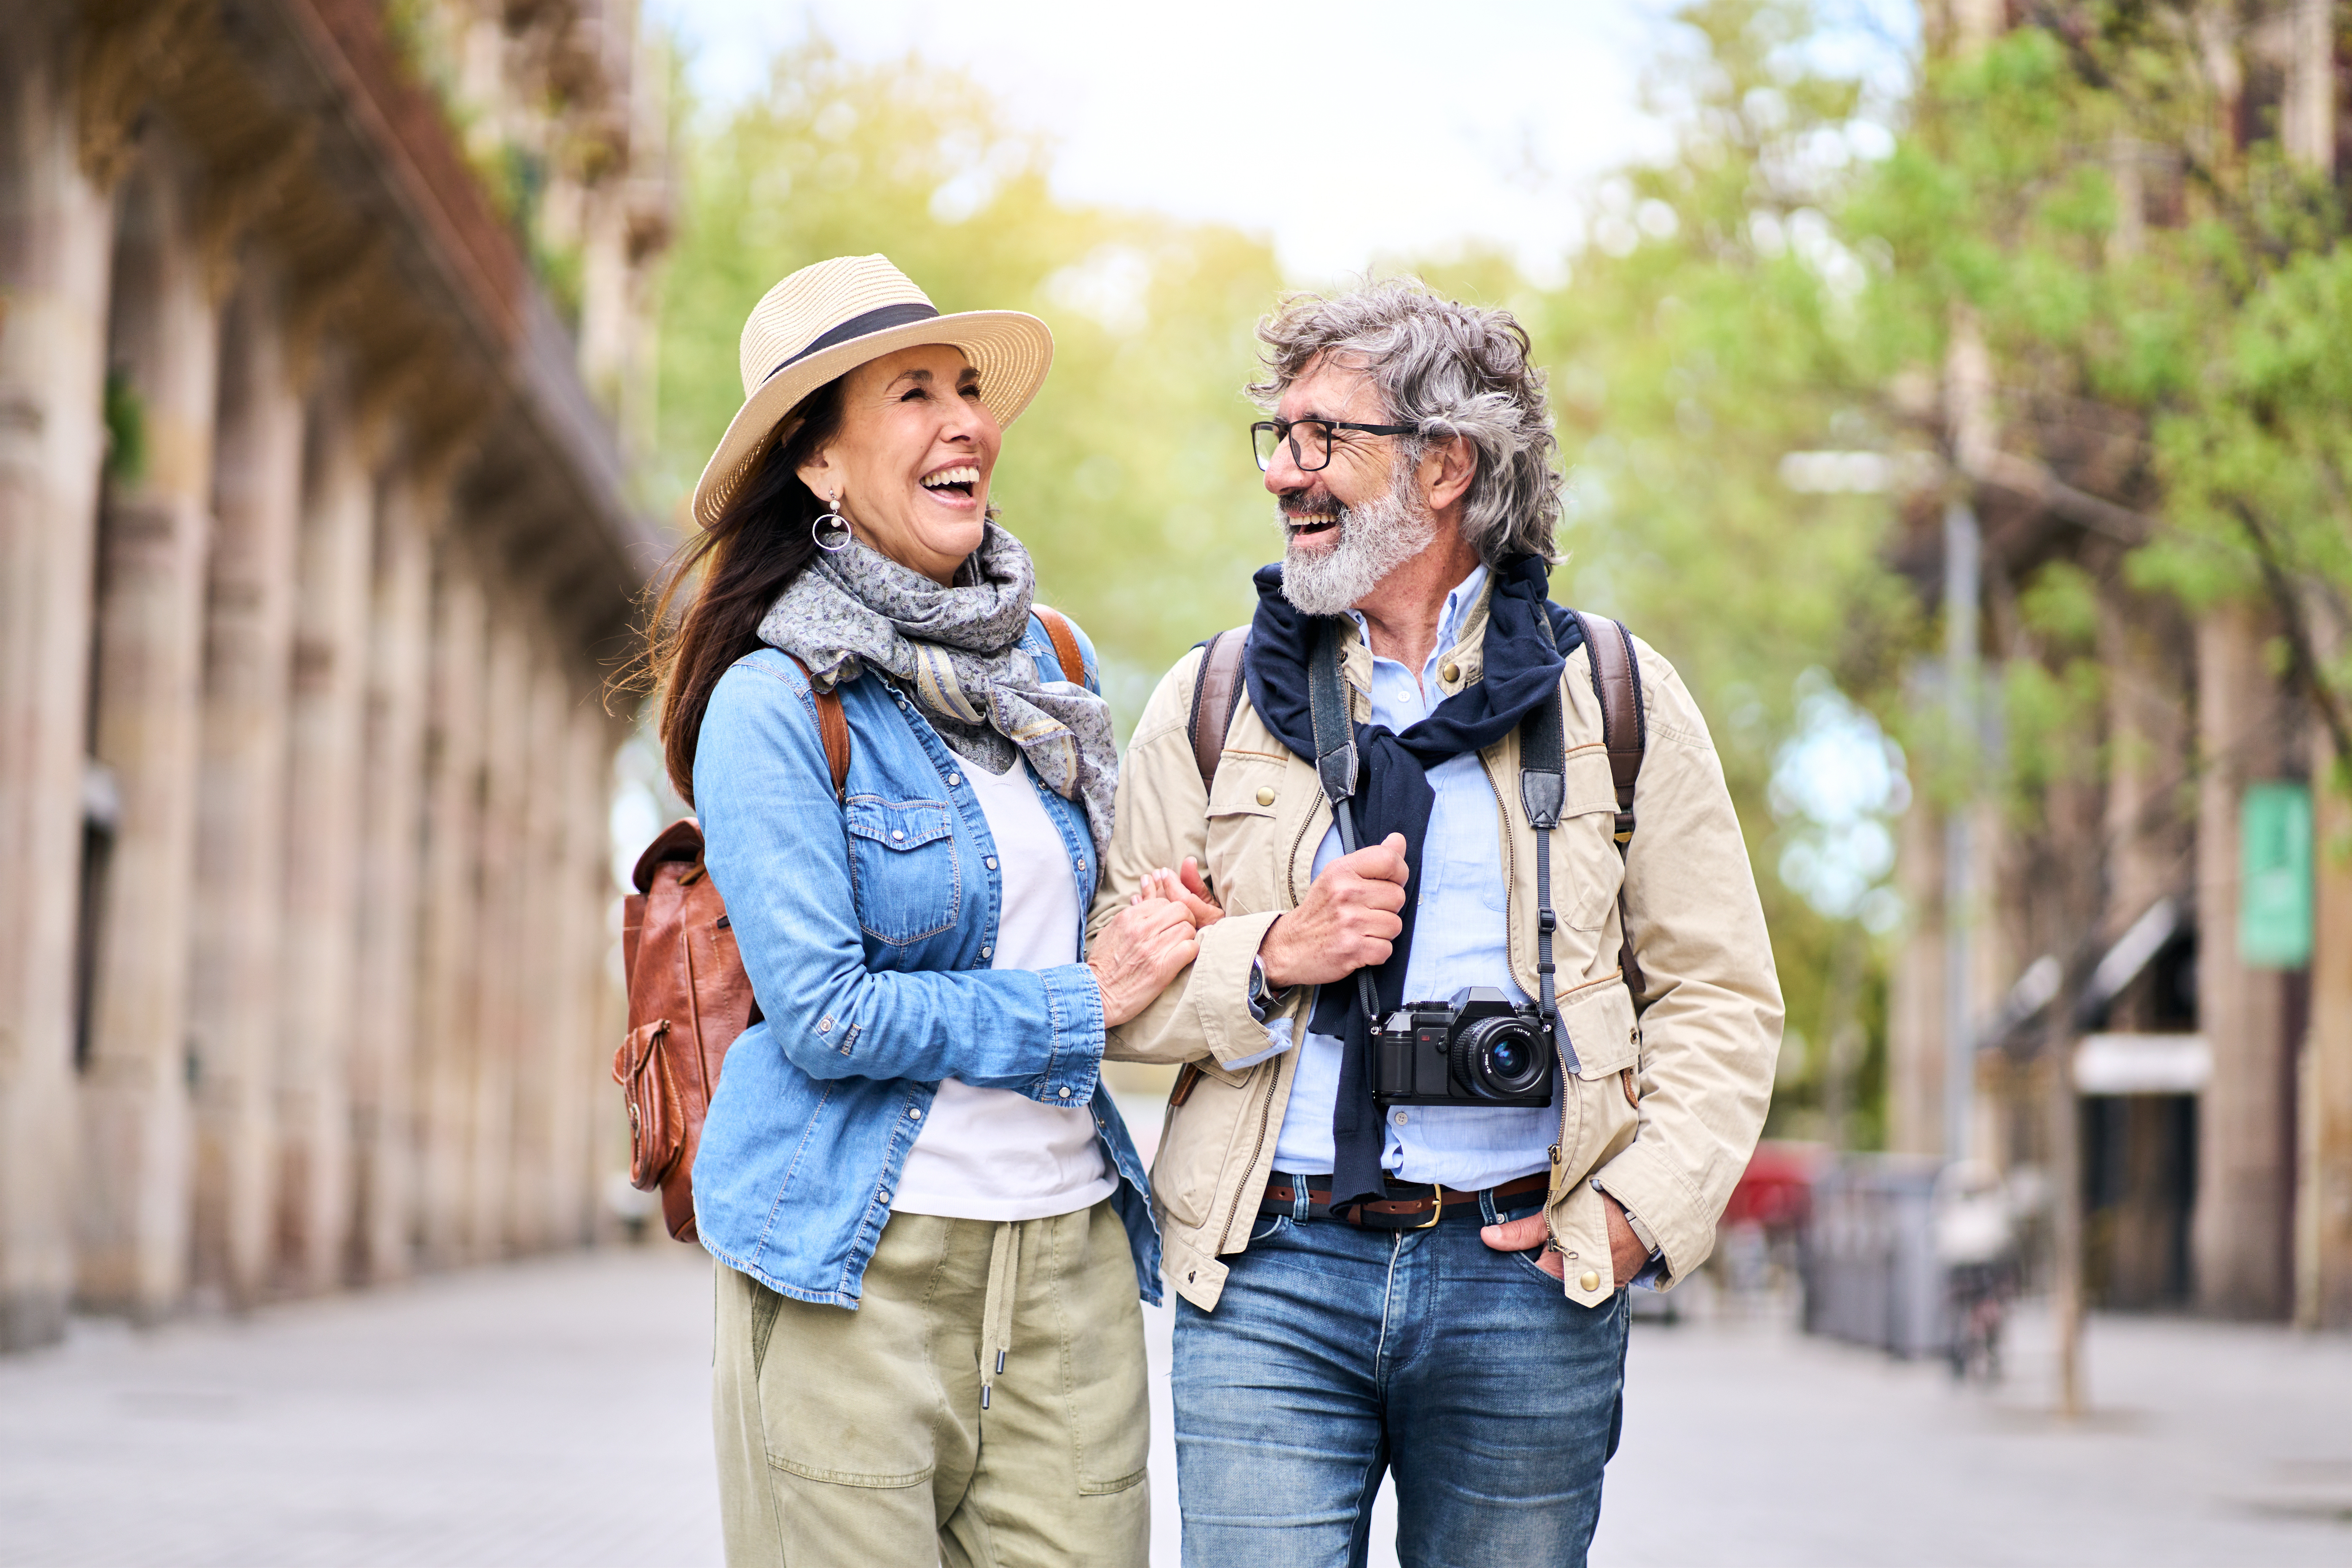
x=866, y=926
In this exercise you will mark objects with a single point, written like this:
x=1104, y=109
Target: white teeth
x=965, y=475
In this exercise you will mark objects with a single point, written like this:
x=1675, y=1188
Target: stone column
x=584, y=1054
x=545, y=1099
x=2324, y=1202
x=325, y=727
x=1915, y=1028
x=56, y=244
x=2239, y=1233
x=448, y=1012
x=384, y=1017
x=241, y=794
x=502, y=936
x=2147, y=752
x=153, y=534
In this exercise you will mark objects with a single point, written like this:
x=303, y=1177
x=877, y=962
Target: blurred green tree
x=2108, y=192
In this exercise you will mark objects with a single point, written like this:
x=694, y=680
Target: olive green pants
x=859, y=1439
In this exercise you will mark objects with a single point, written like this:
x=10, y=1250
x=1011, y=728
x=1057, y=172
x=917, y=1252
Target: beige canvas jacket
x=1696, y=1052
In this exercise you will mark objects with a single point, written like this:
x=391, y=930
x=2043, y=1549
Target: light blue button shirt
x=1460, y=938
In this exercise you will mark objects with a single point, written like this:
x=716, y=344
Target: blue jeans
x=1337, y=1353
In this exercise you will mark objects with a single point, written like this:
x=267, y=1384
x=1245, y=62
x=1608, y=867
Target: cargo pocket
x=1601, y=1030
x=843, y=1395
x=903, y=873
x=1103, y=1371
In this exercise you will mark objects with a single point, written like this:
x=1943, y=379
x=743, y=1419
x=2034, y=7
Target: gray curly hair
x=1449, y=368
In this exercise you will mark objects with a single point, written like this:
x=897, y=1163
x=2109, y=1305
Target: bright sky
x=1410, y=126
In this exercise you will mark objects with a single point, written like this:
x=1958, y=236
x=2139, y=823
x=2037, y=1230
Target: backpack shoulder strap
x=832, y=728
x=1625, y=733
x=1625, y=726
x=1064, y=639
x=1216, y=695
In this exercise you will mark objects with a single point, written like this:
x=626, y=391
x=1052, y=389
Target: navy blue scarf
x=1527, y=640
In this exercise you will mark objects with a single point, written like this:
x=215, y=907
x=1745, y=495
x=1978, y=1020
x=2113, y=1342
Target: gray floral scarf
x=957, y=652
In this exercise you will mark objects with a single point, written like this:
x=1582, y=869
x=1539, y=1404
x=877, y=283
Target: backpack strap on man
x=1625, y=733
x=1217, y=696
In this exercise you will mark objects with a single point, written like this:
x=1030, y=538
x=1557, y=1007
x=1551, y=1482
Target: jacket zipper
x=1510, y=896
x=1290, y=867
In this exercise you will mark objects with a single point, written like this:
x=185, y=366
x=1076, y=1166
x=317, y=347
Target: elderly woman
x=932, y=1225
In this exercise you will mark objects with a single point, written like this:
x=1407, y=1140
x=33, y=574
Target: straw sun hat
x=825, y=320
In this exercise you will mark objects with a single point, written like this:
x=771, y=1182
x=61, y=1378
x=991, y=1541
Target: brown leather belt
x=1408, y=1206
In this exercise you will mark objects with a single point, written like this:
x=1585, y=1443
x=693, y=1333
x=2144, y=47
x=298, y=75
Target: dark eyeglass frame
x=1282, y=429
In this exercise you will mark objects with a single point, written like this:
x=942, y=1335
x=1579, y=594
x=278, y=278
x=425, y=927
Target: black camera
x=1477, y=1049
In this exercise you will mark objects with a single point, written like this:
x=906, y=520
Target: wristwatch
x=1264, y=998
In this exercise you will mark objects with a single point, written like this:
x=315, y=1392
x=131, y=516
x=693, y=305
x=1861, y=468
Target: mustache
x=1310, y=504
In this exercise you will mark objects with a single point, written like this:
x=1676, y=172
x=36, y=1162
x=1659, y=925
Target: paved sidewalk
x=555, y=1412
x=548, y=1412
x=2208, y=1445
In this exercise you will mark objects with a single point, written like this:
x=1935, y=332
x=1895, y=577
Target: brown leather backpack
x=689, y=996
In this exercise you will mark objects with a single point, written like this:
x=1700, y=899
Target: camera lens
x=1500, y=1059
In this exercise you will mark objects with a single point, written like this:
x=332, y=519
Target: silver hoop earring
x=830, y=531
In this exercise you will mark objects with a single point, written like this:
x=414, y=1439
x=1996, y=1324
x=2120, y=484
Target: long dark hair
x=759, y=543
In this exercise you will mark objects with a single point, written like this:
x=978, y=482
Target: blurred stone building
x=2172, y=933
x=325, y=326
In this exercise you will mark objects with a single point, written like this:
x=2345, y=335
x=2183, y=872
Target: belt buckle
x=1437, y=1212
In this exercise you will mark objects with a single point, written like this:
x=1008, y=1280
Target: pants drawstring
x=997, y=1311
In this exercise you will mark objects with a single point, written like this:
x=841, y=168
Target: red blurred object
x=1776, y=1191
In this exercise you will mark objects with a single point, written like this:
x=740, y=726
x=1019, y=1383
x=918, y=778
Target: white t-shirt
x=991, y=1154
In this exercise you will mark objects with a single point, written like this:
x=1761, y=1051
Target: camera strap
x=1543, y=791
x=1336, y=766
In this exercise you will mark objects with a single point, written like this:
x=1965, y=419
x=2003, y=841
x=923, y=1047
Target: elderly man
x=1464, y=1054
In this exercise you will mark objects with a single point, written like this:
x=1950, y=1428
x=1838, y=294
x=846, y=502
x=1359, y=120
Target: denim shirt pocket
x=904, y=875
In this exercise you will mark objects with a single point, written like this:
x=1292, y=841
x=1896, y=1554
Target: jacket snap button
x=955, y=780
x=1589, y=1280
x=1265, y=796
x=986, y=951
x=896, y=836
x=1449, y=671
x=992, y=862
x=915, y=1112
x=1065, y=1094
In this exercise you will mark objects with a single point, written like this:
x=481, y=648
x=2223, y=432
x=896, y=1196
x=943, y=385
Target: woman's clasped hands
x=1148, y=943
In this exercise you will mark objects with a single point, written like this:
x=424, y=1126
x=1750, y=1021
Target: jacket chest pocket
x=1586, y=865
x=903, y=871
x=1244, y=829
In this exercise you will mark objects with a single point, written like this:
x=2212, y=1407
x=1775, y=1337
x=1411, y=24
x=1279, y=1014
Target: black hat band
x=879, y=320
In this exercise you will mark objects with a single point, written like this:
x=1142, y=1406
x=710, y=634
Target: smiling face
x=910, y=466
x=1347, y=525
x=1363, y=467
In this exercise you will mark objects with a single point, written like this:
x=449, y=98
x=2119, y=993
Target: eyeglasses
x=1310, y=439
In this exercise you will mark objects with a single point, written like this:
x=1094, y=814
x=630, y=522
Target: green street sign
x=2274, y=891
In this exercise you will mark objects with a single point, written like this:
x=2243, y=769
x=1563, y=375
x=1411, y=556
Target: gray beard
x=1375, y=539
